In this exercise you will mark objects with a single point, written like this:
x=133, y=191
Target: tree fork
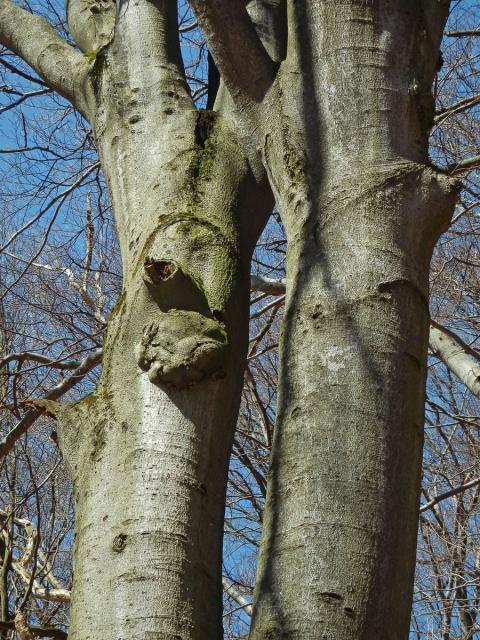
x=343, y=130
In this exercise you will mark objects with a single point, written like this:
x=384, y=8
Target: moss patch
x=203, y=156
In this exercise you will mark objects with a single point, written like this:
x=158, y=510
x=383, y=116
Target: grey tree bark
x=340, y=113
x=343, y=127
x=148, y=451
x=159, y=434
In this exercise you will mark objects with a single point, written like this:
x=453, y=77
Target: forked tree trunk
x=148, y=451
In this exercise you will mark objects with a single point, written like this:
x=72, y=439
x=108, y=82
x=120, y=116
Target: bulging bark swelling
x=148, y=451
x=149, y=460
x=148, y=456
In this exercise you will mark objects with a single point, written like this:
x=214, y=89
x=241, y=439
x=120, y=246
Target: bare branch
x=36, y=41
x=60, y=389
x=188, y=27
x=44, y=593
x=463, y=165
x=81, y=288
x=21, y=626
x=267, y=285
x=40, y=632
x=232, y=590
x=236, y=47
x=21, y=73
x=457, y=356
x=90, y=239
x=462, y=34
x=448, y=494
x=458, y=107
x=38, y=357
x=55, y=199
x=22, y=98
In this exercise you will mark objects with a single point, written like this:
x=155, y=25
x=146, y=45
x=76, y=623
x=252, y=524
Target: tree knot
x=182, y=348
x=119, y=542
x=159, y=270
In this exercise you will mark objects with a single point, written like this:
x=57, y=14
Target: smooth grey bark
x=36, y=41
x=148, y=451
x=337, y=556
x=343, y=129
x=459, y=358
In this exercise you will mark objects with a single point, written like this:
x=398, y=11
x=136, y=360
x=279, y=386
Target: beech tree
x=324, y=108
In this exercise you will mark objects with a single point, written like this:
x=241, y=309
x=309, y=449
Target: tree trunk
x=362, y=207
x=148, y=451
x=337, y=557
x=343, y=123
x=149, y=464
